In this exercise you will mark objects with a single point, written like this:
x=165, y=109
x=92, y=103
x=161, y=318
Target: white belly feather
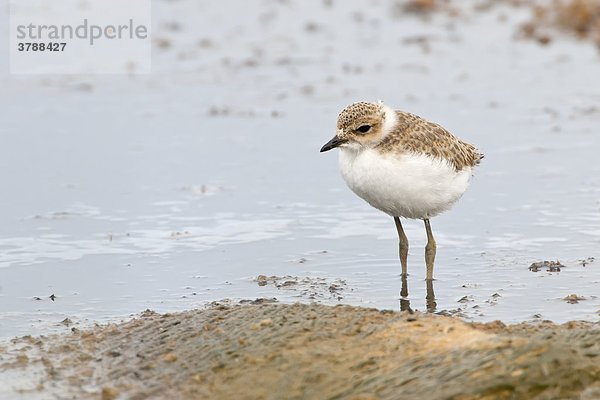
x=403, y=185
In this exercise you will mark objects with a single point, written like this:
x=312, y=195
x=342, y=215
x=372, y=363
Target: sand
x=266, y=350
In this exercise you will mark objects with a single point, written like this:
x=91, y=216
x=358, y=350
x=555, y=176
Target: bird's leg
x=429, y=250
x=403, y=244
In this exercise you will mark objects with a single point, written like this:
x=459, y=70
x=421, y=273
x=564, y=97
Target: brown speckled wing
x=414, y=134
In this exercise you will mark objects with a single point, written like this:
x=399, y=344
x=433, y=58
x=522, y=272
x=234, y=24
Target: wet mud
x=306, y=351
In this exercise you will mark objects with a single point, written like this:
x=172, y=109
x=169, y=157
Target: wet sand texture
x=275, y=351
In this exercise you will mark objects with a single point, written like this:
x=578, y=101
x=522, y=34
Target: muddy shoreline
x=266, y=350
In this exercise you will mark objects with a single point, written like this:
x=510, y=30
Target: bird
x=403, y=165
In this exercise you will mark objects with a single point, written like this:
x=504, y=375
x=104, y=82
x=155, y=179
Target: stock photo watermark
x=80, y=37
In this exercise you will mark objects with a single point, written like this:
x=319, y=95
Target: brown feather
x=417, y=135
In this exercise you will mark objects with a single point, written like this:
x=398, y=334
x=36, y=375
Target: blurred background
x=180, y=187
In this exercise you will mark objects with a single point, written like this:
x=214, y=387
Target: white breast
x=403, y=185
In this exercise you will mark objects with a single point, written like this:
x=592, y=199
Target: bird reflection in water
x=430, y=302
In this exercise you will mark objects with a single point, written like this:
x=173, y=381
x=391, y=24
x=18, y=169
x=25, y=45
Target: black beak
x=333, y=143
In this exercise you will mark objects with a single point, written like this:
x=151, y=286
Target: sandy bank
x=276, y=351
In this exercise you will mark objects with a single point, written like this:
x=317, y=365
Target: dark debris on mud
x=580, y=18
x=549, y=18
x=312, y=288
x=550, y=266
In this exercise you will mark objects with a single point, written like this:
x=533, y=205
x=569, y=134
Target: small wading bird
x=402, y=165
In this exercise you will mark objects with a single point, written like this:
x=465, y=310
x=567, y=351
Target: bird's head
x=360, y=125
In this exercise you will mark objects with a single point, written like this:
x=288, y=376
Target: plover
x=402, y=165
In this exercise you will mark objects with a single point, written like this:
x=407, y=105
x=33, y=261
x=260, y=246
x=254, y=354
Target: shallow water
x=178, y=188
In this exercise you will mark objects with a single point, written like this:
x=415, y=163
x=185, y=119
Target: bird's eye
x=364, y=128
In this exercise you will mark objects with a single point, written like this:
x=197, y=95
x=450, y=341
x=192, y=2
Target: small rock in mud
x=179, y=235
x=493, y=300
x=261, y=280
x=465, y=299
x=335, y=288
x=260, y=300
x=574, y=299
x=456, y=312
x=586, y=261
x=471, y=285
x=147, y=313
x=551, y=266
